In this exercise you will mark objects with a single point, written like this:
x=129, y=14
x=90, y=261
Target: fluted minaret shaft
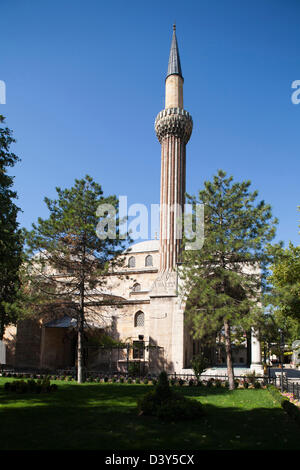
x=173, y=128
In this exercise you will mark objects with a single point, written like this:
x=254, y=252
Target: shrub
x=137, y=381
x=181, y=382
x=166, y=404
x=291, y=409
x=257, y=384
x=105, y=379
x=191, y=383
x=199, y=365
x=39, y=386
x=246, y=384
x=114, y=379
x=145, y=381
x=154, y=381
x=172, y=382
x=218, y=383
x=129, y=380
x=134, y=368
x=121, y=380
x=251, y=377
x=210, y=383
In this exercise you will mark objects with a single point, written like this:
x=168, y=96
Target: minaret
x=173, y=128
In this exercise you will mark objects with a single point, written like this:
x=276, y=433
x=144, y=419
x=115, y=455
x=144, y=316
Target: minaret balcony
x=174, y=121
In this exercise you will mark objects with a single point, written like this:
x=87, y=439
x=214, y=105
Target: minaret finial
x=174, y=27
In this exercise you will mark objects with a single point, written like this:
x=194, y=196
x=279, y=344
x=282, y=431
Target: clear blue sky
x=85, y=81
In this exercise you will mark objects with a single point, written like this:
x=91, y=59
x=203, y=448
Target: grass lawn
x=104, y=416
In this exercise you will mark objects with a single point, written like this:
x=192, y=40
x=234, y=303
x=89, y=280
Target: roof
x=142, y=247
x=69, y=322
x=64, y=322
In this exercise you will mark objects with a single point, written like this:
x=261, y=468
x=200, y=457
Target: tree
x=222, y=281
x=11, y=243
x=199, y=365
x=74, y=249
x=283, y=300
x=285, y=279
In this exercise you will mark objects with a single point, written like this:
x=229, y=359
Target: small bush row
x=30, y=386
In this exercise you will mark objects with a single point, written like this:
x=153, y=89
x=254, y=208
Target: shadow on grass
x=105, y=417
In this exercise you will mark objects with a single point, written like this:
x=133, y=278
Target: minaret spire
x=174, y=66
x=174, y=78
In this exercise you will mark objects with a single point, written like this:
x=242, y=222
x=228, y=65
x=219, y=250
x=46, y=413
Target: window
x=149, y=260
x=138, y=350
x=139, y=319
x=136, y=287
x=131, y=262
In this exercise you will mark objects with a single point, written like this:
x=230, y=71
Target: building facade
x=149, y=315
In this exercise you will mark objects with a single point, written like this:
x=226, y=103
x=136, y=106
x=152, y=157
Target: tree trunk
x=229, y=355
x=2, y=328
x=80, y=375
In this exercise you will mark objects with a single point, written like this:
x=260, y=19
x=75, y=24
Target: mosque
x=150, y=317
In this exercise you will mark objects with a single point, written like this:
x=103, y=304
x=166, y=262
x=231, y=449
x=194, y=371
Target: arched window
x=131, y=262
x=149, y=260
x=136, y=287
x=139, y=319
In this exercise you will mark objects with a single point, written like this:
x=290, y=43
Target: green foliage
x=291, y=409
x=285, y=294
x=199, y=365
x=220, y=292
x=30, y=386
x=70, y=254
x=134, y=368
x=167, y=404
x=11, y=239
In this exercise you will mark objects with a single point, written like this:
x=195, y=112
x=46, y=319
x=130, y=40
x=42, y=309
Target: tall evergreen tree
x=10, y=233
x=71, y=259
x=222, y=281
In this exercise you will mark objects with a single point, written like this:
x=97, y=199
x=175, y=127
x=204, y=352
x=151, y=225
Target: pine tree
x=222, y=281
x=70, y=257
x=10, y=234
